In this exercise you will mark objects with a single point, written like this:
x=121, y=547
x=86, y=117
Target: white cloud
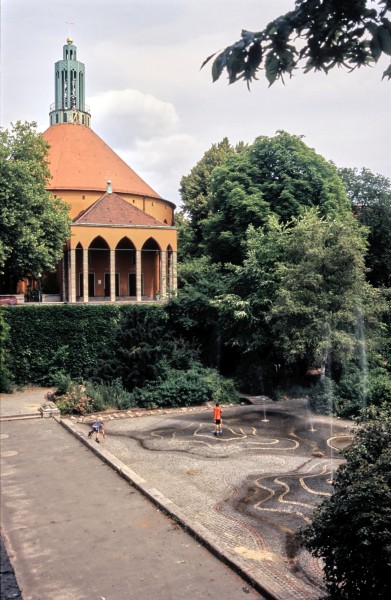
x=162, y=161
x=127, y=115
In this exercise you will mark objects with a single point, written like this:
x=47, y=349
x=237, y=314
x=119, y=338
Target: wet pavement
x=242, y=495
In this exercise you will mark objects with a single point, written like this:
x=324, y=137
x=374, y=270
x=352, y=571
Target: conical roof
x=80, y=160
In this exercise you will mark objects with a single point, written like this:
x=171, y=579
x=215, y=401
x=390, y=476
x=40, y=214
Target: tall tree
x=320, y=34
x=280, y=175
x=33, y=225
x=300, y=290
x=195, y=191
x=370, y=196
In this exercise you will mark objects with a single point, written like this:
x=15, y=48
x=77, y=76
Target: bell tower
x=69, y=89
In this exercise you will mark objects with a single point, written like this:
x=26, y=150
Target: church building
x=123, y=243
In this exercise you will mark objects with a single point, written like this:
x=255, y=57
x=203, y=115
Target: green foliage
x=370, y=196
x=109, y=395
x=6, y=379
x=87, y=397
x=192, y=314
x=73, y=401
x=143, y=348
x=33, y=225
x=318, y=34
x=195, y=192
x=322, y=396
x=351, y=530
x=185, y=388
x=278, y=176
x=299, y=289
x=362, y=387
x=50, y=340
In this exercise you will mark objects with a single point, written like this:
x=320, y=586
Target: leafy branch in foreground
x=321, y=34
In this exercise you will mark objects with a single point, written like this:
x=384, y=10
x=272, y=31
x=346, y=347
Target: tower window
x=56, y=117
x=65, y=117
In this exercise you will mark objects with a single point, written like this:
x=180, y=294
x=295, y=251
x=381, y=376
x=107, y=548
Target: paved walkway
x=242, y=495
x=75, y=530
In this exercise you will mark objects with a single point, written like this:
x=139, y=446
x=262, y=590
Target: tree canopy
x=279, y=175
x=33, y=225
x=370, y=196
x=351, y=530
x=195, y=190
x=279, y=273
x=317, y=34
x=300, y=290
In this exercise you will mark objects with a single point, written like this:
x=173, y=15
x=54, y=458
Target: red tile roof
x=111, y=209
x=80, y=160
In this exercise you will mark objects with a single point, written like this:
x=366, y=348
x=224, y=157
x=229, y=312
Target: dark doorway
x=132, y=284
x=91, y=285
x=107, y=284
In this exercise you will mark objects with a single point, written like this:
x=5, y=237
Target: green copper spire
x=69, y=86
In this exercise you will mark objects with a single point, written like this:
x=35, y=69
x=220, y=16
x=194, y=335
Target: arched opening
x=79, y=270
x=125, y=269
x=151, y=269
x=98, y=266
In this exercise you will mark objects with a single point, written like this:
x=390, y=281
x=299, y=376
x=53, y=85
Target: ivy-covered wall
x=45, y=340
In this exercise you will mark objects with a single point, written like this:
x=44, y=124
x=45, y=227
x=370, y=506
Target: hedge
x=66, y=338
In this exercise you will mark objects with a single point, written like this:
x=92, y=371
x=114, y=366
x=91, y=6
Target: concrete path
x=75, y=530
x=23, y=403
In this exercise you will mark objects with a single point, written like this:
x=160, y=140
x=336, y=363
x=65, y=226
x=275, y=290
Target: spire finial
x=69, y=38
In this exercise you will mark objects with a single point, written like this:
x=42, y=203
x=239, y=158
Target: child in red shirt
x=217, y=419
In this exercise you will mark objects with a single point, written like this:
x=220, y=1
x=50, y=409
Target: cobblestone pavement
x=244, y=494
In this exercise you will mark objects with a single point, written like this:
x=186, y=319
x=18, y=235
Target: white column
x=85, y=275
x=174, y=283
x=163, y=275
x=72, y=277
x=112, y=275
x=64, y=288
x=138, y=275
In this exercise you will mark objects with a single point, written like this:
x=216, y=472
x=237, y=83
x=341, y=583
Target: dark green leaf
x=385, y=39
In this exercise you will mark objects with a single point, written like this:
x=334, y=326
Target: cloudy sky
x=153, y=105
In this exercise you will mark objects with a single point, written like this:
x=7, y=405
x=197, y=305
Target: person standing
x=97, y=428
x=218, y=419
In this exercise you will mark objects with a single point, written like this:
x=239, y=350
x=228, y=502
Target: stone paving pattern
x=244, y=494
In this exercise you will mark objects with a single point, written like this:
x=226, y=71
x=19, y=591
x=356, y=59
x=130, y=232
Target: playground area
x=244, y=493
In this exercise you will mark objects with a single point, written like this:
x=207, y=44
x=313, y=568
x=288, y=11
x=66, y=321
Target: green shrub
x=358, y=389
x=185, y=388
x=322, y=396
x=74, y=401
x=350, y=530
x=50, y=340
x=109, y=395
x=6, y=379
x=63, y=383
x=351, y=393
x=380, y=387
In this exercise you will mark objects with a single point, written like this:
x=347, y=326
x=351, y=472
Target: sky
x=154, y=106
